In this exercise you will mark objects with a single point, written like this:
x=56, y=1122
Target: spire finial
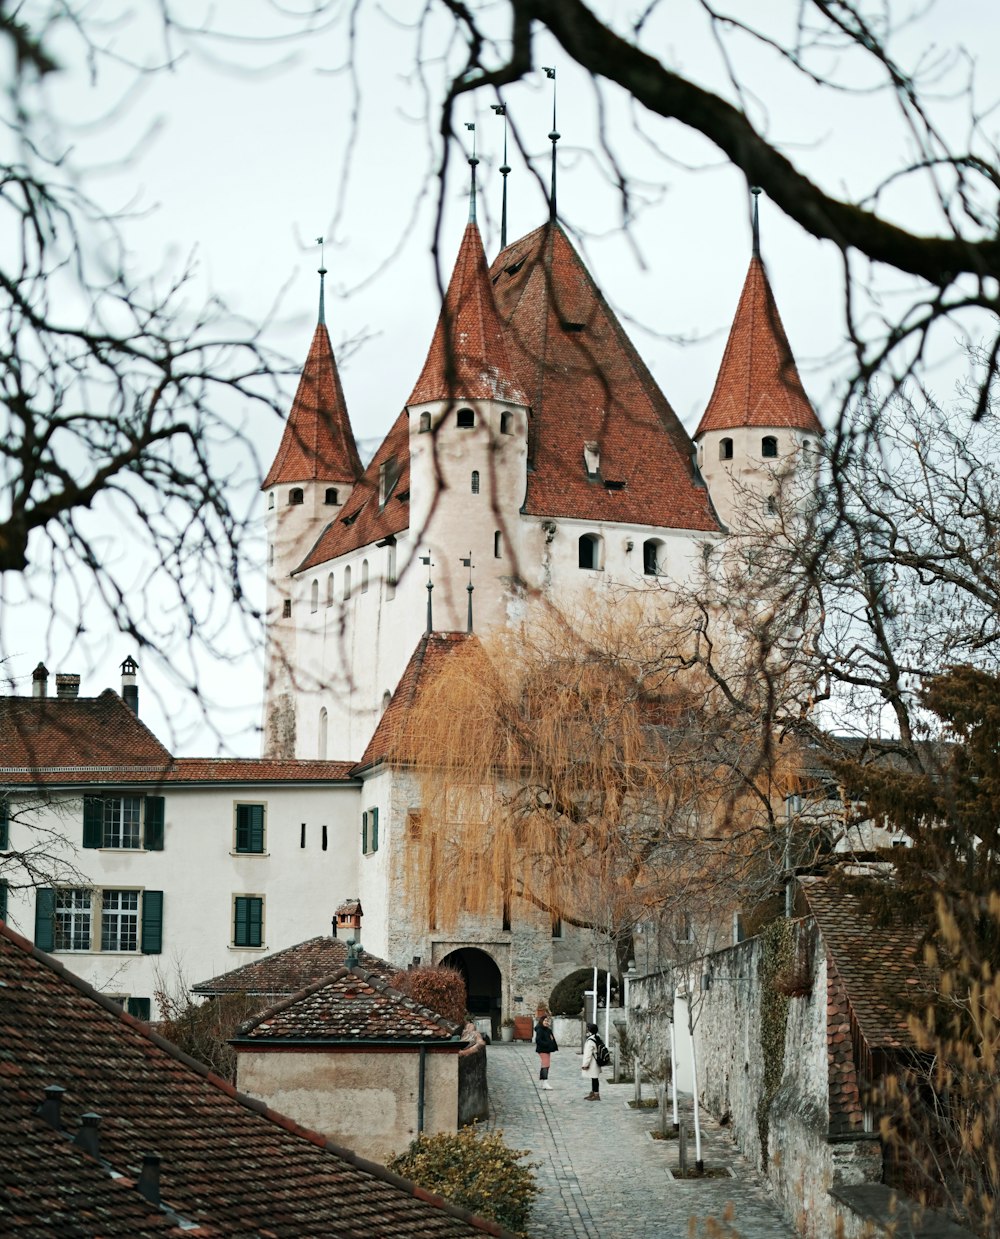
x=322, y=279
x=426, y=559
x=473, y=161
x=755, y=190
x=469, y=588
x=501, y=110
x=554, y=136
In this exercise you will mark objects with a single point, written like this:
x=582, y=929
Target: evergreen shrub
x=567, y=997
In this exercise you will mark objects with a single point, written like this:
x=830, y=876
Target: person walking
x=590, y=1067
x=545, y=1047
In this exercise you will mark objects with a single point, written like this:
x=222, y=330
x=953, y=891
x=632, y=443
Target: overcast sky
x=250, y=148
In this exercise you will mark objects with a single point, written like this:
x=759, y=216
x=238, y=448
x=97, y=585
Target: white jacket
x=589, y=1067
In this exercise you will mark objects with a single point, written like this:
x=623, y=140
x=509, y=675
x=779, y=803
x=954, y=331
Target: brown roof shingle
x=230, y=1165
x=291, y=970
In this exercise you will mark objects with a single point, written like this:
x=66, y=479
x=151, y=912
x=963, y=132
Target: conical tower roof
x=468, y=357
x=318, y=443
x=758, y=382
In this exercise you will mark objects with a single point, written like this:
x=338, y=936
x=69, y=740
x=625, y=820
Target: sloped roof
x=468, y=358
x=318, y=442
x=349, y=1006
x=54, y=732
x=363, y=521
x=881, y=966
x=293, y=969
x=433, y=650
x=588, y=384
x=230, y=1165
x=758, y=382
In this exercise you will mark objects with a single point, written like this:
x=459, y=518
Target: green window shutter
x=364, y=833
x=93, y=821
x=374, y=830
x=152, y=922
x=152, y=834
x=248, y=921
x=139, y=1007
x=249, y=828
x=3, y=900
x=4, y=824
x=45, y=906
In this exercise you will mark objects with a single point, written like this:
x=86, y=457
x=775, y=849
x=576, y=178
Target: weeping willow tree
x=591, y=770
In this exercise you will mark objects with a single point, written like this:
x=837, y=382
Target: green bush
x=567, y=997
x=477, y=1172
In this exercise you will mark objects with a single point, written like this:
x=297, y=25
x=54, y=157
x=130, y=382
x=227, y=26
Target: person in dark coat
x=545, y=1047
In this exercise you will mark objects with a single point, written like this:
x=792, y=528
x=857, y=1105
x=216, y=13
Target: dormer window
x=591, y=459
x=388, y=476
x=425, y=423
x=769, y=447
x=330, y=496
x=465, y=419
x=296, y=495
x=506, y=423
x=726, y=449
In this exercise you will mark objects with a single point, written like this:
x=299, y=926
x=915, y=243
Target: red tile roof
x=468, y=357
x=318, y=442
x=291, y=970
x=842, y=1074
x=758, y=382
x=351, y=1005
x=230, y=1165
x=433, y=650
x=588, y=384
x=363, y=522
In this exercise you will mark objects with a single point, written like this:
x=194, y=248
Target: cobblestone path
x=602, y=1176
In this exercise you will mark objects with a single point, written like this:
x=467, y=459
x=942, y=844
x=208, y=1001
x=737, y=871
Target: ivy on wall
x=777, y=960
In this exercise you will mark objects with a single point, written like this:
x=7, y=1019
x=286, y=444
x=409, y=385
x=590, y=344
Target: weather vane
x=426, y=559
x=469, y=588
x=501, y=110
x=471, y=126
x=554, y=136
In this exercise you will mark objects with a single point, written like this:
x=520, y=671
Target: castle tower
x=468, y=434
x=758, y=423
x=312, y=476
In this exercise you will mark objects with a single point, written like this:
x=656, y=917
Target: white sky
x=248, y=165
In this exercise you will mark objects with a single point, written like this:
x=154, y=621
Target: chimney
x=349, y=917
x=149, y=1178
x=67, y=686
x=40, y=681
x=51, y=1108
x=88, y=1137
x=130, y=690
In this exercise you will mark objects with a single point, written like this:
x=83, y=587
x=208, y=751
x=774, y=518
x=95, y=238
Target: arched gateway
x=483, y=983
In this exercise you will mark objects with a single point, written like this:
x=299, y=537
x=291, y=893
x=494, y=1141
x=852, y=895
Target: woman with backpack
x=595, y=1054
x=545, y=1047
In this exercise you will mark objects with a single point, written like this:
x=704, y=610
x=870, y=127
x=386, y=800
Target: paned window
x=119, y=920
x=250, y=828
x=248, y=920
x=122, y=821
x=475, y=481
x=72, y=920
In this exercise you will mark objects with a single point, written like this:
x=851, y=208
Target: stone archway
x=483, y=982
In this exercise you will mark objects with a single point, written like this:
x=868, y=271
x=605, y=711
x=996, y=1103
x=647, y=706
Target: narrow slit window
x=475, y=481
x=364, y=576
x=498, y=545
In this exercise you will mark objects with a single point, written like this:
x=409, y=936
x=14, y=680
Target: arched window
x=386, y=698
x=295, y=495
x=314, y=596
x=425, y=422
x=590, y=551
x=390, y=571
x=726, y=449
x=270, y=499
x=475, y=481
x=364, y=576
x=329, y=590
x=321, y=747
x=347, y=583
x=465, y=419
x=769, y=446
x=330, y=497
x=652, y=557
x=498, y=545
x=506, y=423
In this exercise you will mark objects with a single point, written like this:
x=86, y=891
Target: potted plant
x=507, y=1029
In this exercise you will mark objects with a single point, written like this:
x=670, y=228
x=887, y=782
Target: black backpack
x=602, y=1054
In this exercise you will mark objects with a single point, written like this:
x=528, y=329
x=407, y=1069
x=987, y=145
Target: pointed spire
x=318, y=442
x=758, y=382
x=322, y=280
x=501, y=110
x=554, y=137
x=468, y=354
